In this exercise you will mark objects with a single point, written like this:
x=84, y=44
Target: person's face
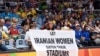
x=87, y=28
x=76, y=22
x=25, y=27
x=90, y=23
x=73, y=15
x=86, y=19
x=34, y=24
x=14, y=10
x=66, y=23
x=8, y=22
x=26, y=10
x=50, y=24
x=14, y=25
x=97, y=22
x=28, y=21
x=58, y=28
x=14, y=20
x=47, y=17
x=78, y=27
x=2, y=22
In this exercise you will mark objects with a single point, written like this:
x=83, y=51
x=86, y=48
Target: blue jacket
x=86, y=34
x=78, y=34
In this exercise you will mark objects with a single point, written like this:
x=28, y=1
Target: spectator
x=25, y=13
x=14, y=13
x=27, y=36
x=14, y=32
x=2, y=27
x=78, y=32
x=50, y=25
x=33, y=27
x=97, y=28
x=14, y=20
x=86, y=33
x=7, y=14
x=7, y=23
x=3, y=36
x=58, y=27
x=26, y=24
x=66, y=26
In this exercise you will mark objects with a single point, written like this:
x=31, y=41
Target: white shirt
x=5, y=29
x=65, y=28
x=27, y=35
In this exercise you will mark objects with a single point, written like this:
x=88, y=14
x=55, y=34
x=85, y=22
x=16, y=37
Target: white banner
x=54, y=43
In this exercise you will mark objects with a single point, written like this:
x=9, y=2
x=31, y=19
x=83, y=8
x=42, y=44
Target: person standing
x=33, y=26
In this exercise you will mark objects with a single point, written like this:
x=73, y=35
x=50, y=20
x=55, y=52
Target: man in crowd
x=2, y=27
x=3, y=36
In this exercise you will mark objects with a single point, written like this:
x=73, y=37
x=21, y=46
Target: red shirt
x=14, y=31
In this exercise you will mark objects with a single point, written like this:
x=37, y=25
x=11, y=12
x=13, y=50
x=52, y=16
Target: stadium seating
x=22, y=36
x=21, y=43
x=9, y=44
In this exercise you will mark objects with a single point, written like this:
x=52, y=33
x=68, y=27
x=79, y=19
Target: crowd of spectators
x=79, y=16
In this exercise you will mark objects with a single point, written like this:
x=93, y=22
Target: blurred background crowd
x=82, y=16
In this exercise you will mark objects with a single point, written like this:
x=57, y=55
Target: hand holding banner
x=54, y=43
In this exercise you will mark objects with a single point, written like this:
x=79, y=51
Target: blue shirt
x=78, y=34
x=7, y=25
x=6, y=15
x=86, y=34
x=9, y=15
x=39, y=21
x=14, y=15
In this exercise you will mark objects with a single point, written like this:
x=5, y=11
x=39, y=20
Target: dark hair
x=25, y=22
x=31, y=24
x=30, y=15
x=6, y=20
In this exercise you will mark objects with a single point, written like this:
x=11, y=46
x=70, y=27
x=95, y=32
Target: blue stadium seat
x=22, y=36
x=20, y=31
x=9, y=44
x=21, y=43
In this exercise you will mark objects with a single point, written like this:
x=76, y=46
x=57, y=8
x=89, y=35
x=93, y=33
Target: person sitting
x=14, y=33
x=3, y=36
x=2, y=26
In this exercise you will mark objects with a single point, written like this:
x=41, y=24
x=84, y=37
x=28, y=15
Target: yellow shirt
x=33, y=11
x=24, y=14
x=4, y=35
x=19, y=13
